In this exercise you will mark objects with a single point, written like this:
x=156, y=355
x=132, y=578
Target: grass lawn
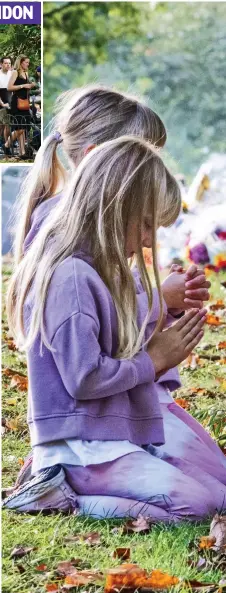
x=169, y=549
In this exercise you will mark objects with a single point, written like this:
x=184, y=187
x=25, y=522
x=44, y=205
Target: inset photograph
x=20, y=92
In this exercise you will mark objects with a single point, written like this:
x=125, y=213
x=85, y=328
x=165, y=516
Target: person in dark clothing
x=5, y=74
x=19, y=84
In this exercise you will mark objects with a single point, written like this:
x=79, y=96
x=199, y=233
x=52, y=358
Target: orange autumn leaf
x=218, y=305
x=206, y=542
x=199, y=391
x=52, y=587
x=221, y=346
x=183, y=403
x=41, y=567
x=131, y=576
x=213, y=319
x=19, y=381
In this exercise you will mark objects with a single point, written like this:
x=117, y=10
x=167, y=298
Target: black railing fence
x=31, y=130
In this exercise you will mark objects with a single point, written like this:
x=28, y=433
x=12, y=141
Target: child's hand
x=196, y=287
x=169, y=347
x=185, y=290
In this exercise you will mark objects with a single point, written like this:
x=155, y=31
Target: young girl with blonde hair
x=98, y=361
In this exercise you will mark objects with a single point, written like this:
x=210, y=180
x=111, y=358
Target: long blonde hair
x=18, y=62
x=88, y=116
x=118, y=180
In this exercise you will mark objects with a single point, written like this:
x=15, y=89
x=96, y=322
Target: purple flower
x=199, y=254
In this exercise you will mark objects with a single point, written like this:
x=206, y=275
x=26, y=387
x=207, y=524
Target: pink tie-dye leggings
x=183, y=479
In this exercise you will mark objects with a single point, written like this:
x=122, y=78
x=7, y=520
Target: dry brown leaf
x=68, y=566
x=218, y=305
x=206, y=542
x=14, y=423
x=197, y=585
x=123, y=553
x=20, y=551
x=84, y=577
x=91, y=539
x=131, y=576
x=138, y=525
x=221, y=346
x=19, y=381
x=10, y=344
x=7, y=372
x=199, y=391
x=218, y=531
x=183, y=403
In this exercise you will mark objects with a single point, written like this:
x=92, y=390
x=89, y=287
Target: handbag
x=23, y=104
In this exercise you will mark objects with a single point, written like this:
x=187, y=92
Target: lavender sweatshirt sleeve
x=88, y=373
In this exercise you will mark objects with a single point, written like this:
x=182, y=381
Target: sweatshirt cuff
x=144, y=368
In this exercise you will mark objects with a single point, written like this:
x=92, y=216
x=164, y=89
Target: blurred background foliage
x=170, y=54
x=21, y=39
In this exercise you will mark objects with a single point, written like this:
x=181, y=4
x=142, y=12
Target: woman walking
x=20, y=110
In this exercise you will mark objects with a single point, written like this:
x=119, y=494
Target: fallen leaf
x=213, y=320
x=7, y=372
x=221, y=346
x=20, y=551
x=10, y=344
x=197, y=585
x=84, y=577
x=218, y=531
x=138, y=525
x=14, y=423
x=131, y=576
x=218, y=305
x=52, y=587
x=41, y=567
x=206, y=542
x=19, y=381
x=20, y=461
x=183, y=403
x=11, y=401
x=68, y=566
x=121, y=553
x=91, y=539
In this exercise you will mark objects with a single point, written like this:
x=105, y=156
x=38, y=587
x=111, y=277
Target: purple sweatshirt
x=80, y=390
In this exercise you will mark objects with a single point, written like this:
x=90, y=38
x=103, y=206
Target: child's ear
x=89, y=148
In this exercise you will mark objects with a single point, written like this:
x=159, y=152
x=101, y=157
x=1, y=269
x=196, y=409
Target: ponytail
x=40, y=184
